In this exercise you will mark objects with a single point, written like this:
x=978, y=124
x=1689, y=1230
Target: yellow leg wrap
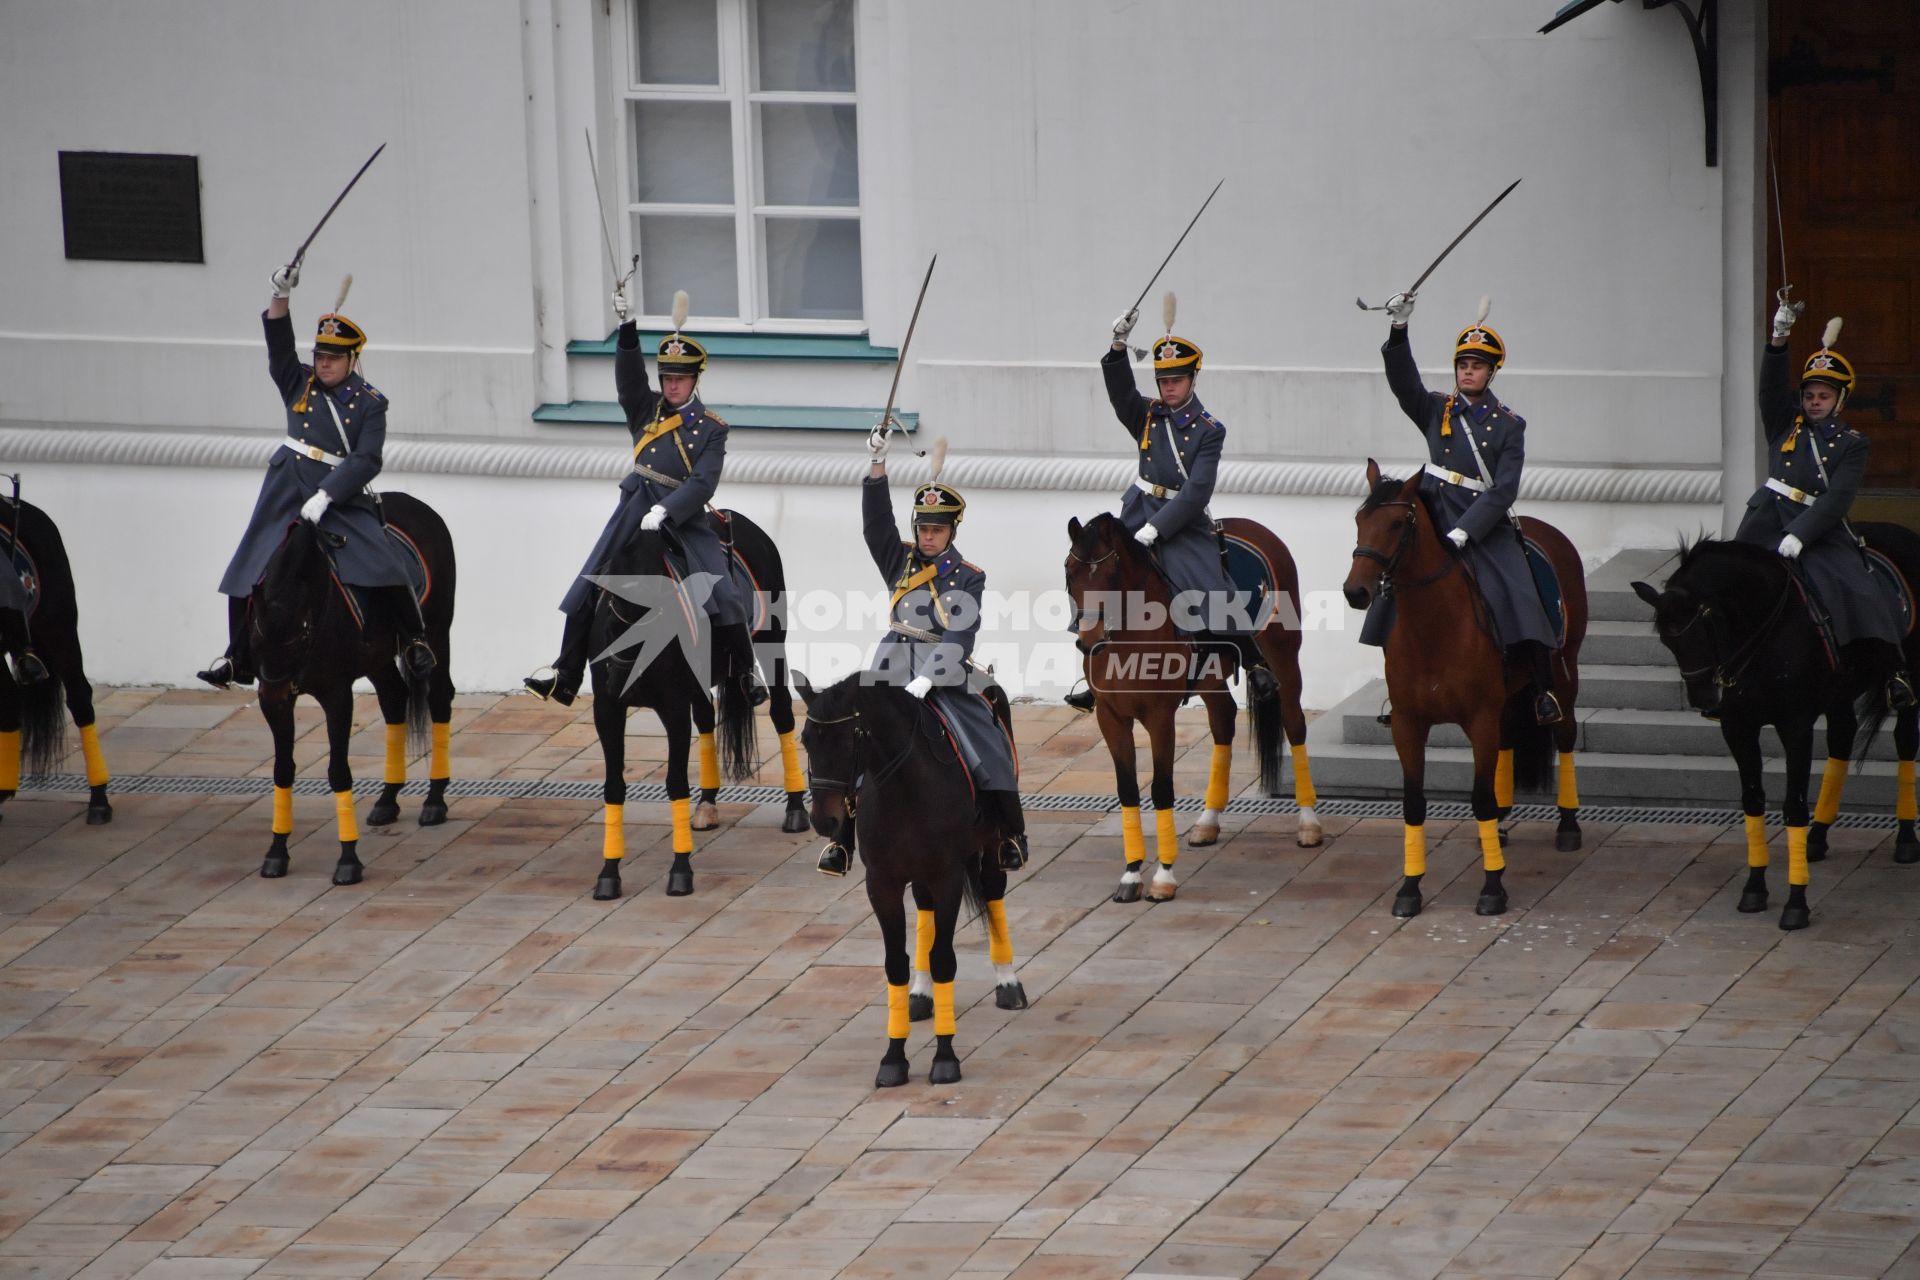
x=10, y=760
x=1219, y=770
x=1416, y=850
x=1756, y=840
x=1904, y=807
x=898, y=1024
x=1503, y=779
x=794, y=780
x=709, y=763
x=97, y=775
x=999, y=941
x=1569, y=797
x=344, y=818
x=922, y=941
x=283, y=811
x=1133, y=841
x=1797, y=855
x=1491, y=856
x=1303, y=793
x=943, y=1019
x=1833, y=781
x=1165, y=838
x=613, y=841
x=682, y=825
x=396, y=771
x=437, y=764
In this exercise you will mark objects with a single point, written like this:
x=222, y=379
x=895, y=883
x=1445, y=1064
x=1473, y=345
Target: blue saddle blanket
x=1547, y=583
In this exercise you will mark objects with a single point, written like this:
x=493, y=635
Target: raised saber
x=1784, y=293
x=300, y=254
x=606, y=232
x=1176, y=247
x=1454, y=243
x=887, y=423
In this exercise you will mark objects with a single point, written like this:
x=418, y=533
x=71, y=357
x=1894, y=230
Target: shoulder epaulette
x=713, y=417
x=372, y=390
x=968, y=564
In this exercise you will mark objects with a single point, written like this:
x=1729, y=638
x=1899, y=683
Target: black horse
x=624, y=631
x=311, y=635
x=1735, y=618
x=876, y=751
x=32, y=728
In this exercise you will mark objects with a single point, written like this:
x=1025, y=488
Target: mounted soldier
x=1815, y=463
x=336, y=428
x=1476, y=448
x=1166, y=508
x=932, y=621
x=679, y=451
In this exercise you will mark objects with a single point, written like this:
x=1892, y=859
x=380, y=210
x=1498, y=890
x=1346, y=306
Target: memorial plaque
x=125, y=207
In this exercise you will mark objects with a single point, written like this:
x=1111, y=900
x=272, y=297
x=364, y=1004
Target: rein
x=861, y=735
x=1389, y=564
x=1726, y=673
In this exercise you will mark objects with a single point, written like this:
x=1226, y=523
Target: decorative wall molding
x=106, y=447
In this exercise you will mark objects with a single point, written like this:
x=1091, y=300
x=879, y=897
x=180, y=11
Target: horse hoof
x=795, y=821
x=1200, y=837
x=1751, y=902
x=347, y=873
x=1308, y=836
x=1792, y=917
x=705, y=816
x=679, y=882
x=1159, y=890
x=383, y=815
x=1129, y=891
x=607, y=887
x=1491, y=904
x=891, y=1075
x=945, y=1071
x=919, y=1008
x=1906, y=854
x=1406, y=905
x=272, y=867
x=1010, y=995
x=1816, y=854
x=99, y=815
x=1566, y=841
x=433, y=813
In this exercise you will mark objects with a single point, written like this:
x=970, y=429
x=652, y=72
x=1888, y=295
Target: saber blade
x=300, y=254
x=1176, y=247
x=606, y=232
x=900, y=361
x=1451, y=246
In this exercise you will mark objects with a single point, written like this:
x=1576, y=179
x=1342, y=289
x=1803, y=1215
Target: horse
x=1444, y=669
x=1734, y=618
x=32, y=728
x=669, y=685
x=1142, y=668
x=311, y=635
x=878, y=755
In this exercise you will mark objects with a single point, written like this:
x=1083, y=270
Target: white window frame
x=737, y=55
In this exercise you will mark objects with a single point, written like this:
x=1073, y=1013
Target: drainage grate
x=533, y=789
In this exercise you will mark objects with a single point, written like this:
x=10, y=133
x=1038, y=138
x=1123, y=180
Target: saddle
x=412, y=560
x=1547, y=583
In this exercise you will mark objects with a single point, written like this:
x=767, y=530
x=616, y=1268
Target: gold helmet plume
x=678, y=353
x=1172, y=355
x=933, y=502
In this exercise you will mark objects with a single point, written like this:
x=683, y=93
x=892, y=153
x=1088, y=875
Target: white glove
x=622, y=305
x=1783, y=318
x=1790, y=547
x=919, y=685
x=654, y=518
x=877, y=442
x=1147, y=536
x=1458, y=537
x=1400, y=309
x=313, y=508
x=1123, y=326
x=284, y=280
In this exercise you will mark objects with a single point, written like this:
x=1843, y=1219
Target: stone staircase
x=1639, y=743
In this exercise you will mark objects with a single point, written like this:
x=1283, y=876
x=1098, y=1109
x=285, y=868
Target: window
x=739, y=129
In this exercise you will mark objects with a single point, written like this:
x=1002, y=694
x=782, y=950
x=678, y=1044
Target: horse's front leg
x=1008, y=993
x=884, y=895
x=706, y=814
x=276, y=707
x=433, y=809
x=1742, y=737
x=945, y=965
x=920, y=990
x=1166, y=840
x=1484, y=733
x=339, y=709
x=1797, y=741
x=1221, y=714
x=1126, y=784
x=1842, y=724
x=1410, y=744
x=391, y=690
x=678, y=721
x=1906, y=742
x=80, y=706
x=610, y=726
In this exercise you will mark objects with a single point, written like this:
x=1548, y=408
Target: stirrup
x=755, y=689
x=416, y=658
x=28, y=670
x=1013, y=852
x=1546, y=709
x=1900, y=695
x=1081, y=699
x=219, y=674
x=560, y=686
x=834, y=860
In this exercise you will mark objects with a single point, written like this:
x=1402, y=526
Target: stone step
x=1610, y=598
x=1623, y=644
x=1642, y=688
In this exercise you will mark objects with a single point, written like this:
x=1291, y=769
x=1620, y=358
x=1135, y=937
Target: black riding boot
x=410, y=625
x=235, y=666
x=570, y=667
x=1539, y=660
x=837, y=858
x=736, y=642
x=1884, y=661
x=1081, y=699
x=1003, y=807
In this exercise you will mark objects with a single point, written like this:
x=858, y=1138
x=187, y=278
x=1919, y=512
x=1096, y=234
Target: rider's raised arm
x=1779, y=404
x=882, y=534
x=1491, y=506
x=637, y=396
x=1843, y=482
x=1403, y=378
x=283, y=356
x=1128, y=404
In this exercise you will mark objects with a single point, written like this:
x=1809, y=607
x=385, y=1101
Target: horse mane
x=1096, y=531
x=1388, y=490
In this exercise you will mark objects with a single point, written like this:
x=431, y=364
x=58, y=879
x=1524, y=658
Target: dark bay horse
x=1444, y=666
x=1141, y=668
x=32, y=728
x=1735, y=621
x=651, y=628
x=879, y=755
x=308, y=638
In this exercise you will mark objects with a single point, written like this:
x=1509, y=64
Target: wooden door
x=1844, y=103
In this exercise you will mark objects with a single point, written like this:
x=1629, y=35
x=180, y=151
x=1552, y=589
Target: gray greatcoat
x=1179, y=453
x=1862, y=602
x=686, y=461
x=930, y=632
x=368, y=557
x=1494, y=550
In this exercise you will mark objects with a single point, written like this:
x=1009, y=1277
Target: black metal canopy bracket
x=1703, y=28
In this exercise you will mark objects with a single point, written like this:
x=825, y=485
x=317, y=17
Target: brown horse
x=1141, y=668
x=1444, y=669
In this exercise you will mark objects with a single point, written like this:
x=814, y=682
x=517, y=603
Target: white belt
x=1456, y=477
x=1156, y=490
x=1785, y=490
x=646, y=472
x=312, y=451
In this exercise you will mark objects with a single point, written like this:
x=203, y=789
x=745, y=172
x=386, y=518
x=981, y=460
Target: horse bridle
x=1080, y=613
x=816, y=783
x=1726, y=674
x=1390, y=562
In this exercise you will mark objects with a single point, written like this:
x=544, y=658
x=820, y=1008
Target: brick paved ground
x=465, y=1067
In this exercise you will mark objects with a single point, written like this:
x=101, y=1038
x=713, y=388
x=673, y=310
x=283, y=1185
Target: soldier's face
x=1818, y=400
x=1471, y=375
x=331, y=367
x=1175, y=389
x=932, y=539
x=675, y=388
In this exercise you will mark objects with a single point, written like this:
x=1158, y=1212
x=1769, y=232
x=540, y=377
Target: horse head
x=288, y=600
x=1715, y=612
x=1388, y=526
x=831, y=739
x=1106, y=569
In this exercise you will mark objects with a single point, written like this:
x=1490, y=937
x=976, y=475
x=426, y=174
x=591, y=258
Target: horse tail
x=419, y=704
x=972, y=889
x=739, y=753
x=1263, y=711
x=1532, y=745
x=43, y=725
